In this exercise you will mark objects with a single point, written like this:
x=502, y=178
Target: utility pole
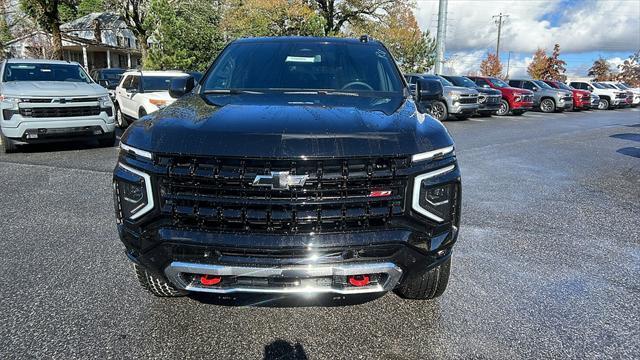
x=498, y=20
x=441, y=36
x=508, y=61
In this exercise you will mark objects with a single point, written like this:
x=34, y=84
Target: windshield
x=444, y=81
x=542, y=84
x=111, y=75
x=621, y=86
x=45, y=72
x=281, y=66
x=462, y=81
x=564, y=86
x=157, y=83
x=598, y=85
x=498, y=83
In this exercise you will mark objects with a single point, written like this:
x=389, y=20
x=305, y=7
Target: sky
x=585, y=30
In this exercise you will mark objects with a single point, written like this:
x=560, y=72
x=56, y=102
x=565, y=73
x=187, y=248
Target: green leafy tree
x=491, y=66
x=185, y=34
x=49, y=15
x=398, y=29
x=539, y=65
x=271, y=18
x=338, y=13
x=86, y=7
x=630, y=70
x=600, y=70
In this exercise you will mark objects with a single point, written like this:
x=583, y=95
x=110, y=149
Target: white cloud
x=611, y=25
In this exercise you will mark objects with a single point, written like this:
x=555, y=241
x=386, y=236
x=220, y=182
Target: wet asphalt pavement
x=547, y=264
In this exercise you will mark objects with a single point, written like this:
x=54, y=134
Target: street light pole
x=441, y=36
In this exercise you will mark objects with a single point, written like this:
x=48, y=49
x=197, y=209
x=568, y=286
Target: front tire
x=425, y=285
x=8, y=145
x=157, y=286
x=439, y=111
x=504, y=108
x=120, y=119
x=604, y=104
x=548, y=106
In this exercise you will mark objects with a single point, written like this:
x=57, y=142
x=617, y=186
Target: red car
x=514, y=100
x=581, y=98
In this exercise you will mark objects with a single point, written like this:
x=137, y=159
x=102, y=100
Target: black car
x=108, y=78
x=297, y=165
x=488, y=99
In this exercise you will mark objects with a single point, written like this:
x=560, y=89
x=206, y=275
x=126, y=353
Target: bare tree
x=337, y=13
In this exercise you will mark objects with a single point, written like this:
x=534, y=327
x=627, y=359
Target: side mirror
x=181, y=86
x=535, y=88
x=428, y=90
x=590, y=88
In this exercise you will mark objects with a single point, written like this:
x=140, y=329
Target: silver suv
x=459, y=101
x=546, y=98
x=51, y=100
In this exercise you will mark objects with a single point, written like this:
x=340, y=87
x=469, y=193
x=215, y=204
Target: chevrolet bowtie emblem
x=280, y=180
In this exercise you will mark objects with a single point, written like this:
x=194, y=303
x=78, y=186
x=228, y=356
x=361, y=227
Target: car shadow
x=284, y=300
x=627, y=136
x=630, y=151
x=284, y=350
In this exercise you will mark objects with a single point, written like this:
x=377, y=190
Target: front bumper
x=456, y=107
x=19, y=127
x=565, y=103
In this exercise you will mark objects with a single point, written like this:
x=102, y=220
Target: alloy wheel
x=503, y=109
x=437, y=111
x=603, y=104
x=547, y=105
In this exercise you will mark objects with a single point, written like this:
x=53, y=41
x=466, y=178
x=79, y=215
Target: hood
x=460, y=90
x=580, y=92
x=487, y=91
x=517, y=91
x=161, y=95
x=278, y=126
x=52, y=88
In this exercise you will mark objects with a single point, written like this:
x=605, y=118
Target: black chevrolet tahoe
x=296, y=165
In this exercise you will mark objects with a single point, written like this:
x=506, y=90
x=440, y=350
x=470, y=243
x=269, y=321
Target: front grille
x=469, y=100
x=621, y=96
x=339, y=194
x=46, y=112
x=493, y=99
x=57, y=100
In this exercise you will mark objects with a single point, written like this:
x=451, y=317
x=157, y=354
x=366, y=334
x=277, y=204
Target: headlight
x=105, y=101
x=435, y=200
x=133, y=196
x=135, y=151
x=9, y=102
x=517, y=98
x=561, y=95
x=432, y=154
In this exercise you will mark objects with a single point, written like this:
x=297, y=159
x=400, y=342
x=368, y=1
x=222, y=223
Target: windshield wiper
x=321, y=92
x=231, y=91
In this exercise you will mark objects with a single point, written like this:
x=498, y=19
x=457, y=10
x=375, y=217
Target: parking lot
x=547, y=264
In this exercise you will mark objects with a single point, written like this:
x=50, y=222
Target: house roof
x=108, y=20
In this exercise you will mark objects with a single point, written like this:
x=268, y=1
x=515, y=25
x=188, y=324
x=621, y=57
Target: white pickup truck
x=609, y=98
x=52, y=100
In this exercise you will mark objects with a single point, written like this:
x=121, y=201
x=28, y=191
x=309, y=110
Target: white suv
x=143, y=92
x=609, y=98
x=52, y=100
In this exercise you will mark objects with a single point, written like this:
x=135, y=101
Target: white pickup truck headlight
x=9, y=102
x=105, y=101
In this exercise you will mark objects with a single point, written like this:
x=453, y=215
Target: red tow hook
x=359, y=280
x=210, y=280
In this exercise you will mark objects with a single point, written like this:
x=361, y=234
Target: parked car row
x=494, y=96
